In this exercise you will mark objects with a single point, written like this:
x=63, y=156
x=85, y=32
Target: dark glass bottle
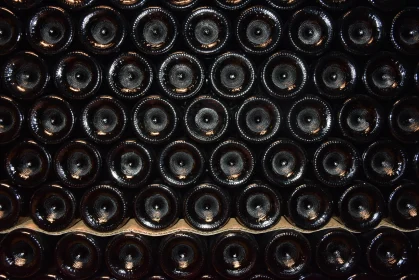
x=78, y=255
x=102, y=30
x=130, y=163
x=388, y=5
x=154, y=119
x=232, y=75
x=416, y=77
x=77, y=75
x=361, y=207
x=181, y=163
x=310, y=119
x=156, y=207
x=384, y=162
x=104, y=119
x=76, y=5
x=309, y=207
x=25, y=75
x=284, y=75
x=130, y=75
x=335, y=75
x=11, y=119
x=77, y=163
x=11, y=206
x=128, y=5
x=385, y=75
x=181, y=75
x=129, y=256
x=285, y=4
x=336, y=163
x=51, y=119
x=206, y=119
x=415, y=164
x=181, y=5
x=388, y=251
x=207, y=207
x=154, y=31
x=258, y=30
x=403, y=204
x=337, y=252
x=287, y=253
x=50, y=30
x=360, y=119
x=231, y=163
x=284, y=162
x=22, y=4
x=53, y=208
x=206, y=30
x=258, y=119
x=313, y=276
x=336, y=5
x=362, y=31
x=310, y=30
x=258, y=206
x=182, y=255
x=10, y=31
x=261, y=277
x=28, y=163
x=360, y=276
x=234, y=254
x=232, y=5
x=404, y=119
x=47, y=276
x=23, y=253
x=104, y=208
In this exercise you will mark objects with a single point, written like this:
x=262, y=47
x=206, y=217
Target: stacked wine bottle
x=209, y=139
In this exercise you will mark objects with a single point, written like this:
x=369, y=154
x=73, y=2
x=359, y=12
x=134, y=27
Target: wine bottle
x=360, y=119
x=28, y=164
x=234, y=254
x=207, y=207
x=404, y=119
x=77, y=75
x=403, y=205
x=129, y=256
x=310, y=30
x=154, y=31
x=78, y=255
x=51, y=119
x=181, y=5
x=415, y=164
x=337, y=252
x=336, y=5
x=11, y=119
x=206, y=119
x=336, y=163
x=258, y=206
x=258, y=119
x=182, y=255
x=313, y=276
x=284, y=162
x=23, y=253
x=128, y=5
x=156, y=207
x=416, y=77
x=130, y=163
x=53, y=208
x=285, y=4
x=181, y=75
x=181, y=163
x=11, y=206
x=102, y=30
x=206, y=30
x=335, y=75
x=10, y=31
x=360, y=276
x=362, y=31
x=384, y=162
x=232, y=76
x=284, y=75
x=22, y=4
x=77, y=163
x=47, y=276
x=76, y=5
x=258, y=30
x=154, y=119
x=388, y=5
x=231, y=163
x=130, y=75
x=310, y=119
x=361, y=207
x=104, y=119
x=232, y=5
x=410, y=277
x=50, y=30
x=385, y=76
x=104, y=208
x=25, y=75
x=287, y=253
x=309, y=207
